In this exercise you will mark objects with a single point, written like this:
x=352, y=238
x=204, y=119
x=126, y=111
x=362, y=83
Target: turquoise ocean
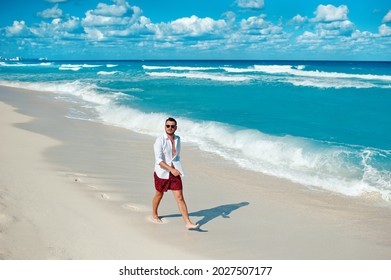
x=323, y=124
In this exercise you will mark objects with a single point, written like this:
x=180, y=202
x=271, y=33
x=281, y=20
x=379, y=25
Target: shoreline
x=103, y=179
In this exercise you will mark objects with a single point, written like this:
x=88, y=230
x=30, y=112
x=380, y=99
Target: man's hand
x=170, y=169
x=175, y=172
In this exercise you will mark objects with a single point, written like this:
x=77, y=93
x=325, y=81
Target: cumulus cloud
x=256, y=33
x=331, y=30
x=230, y=17
x=104, y=14
x=387, y=17
x=54, y=12
x=18, y=29
x=298, y=20
x=108, y=22
x=141, y=27
x=258, y=25
x=70, y=25
x=59, y=29
x=120, y=13
x=251, y=4
x=191, y=27
x=384, y=30
x=308, y=38
x=336, y=28
x=256, y=22
x=99, y=20
x=94, y=34
x=330, y=23
x=119, y=9
x=331, y=13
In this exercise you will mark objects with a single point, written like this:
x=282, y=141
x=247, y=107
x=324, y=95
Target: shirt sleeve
x=178, y=150
x=158, y=149
x=177, y=158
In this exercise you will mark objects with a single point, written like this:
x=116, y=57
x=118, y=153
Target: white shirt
x=163, y=152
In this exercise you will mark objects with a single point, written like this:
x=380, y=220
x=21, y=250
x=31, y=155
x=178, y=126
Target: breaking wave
x=295, y=75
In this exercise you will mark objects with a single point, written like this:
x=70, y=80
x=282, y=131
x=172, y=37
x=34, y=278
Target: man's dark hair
x=171, y=120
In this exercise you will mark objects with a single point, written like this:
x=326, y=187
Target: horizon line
x=184, y=59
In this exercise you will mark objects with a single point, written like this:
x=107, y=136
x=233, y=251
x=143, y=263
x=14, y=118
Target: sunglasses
x=172, y=126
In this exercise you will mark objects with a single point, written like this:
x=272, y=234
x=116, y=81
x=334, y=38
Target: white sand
x=72, y=189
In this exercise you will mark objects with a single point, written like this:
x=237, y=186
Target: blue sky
x=196, y=29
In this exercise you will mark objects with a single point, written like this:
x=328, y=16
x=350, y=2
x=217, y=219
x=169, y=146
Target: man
x=168, y=172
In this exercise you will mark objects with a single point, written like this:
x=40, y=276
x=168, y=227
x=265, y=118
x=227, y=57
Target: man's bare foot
x=156, y=220
x=192, y=226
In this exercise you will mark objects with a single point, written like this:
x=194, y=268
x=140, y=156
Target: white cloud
x=256, y=22
x=99, y=20
x=94, y=34
x=336, y=28
x=18, y=29
x=384, y=30
x=119, y=9
x=71, y=24
x=332, y=28
x=54, y=12
x=230, y=17
x=192, y=27
x=142, y=26
x=121, y=13
x=331, y=13
x=258, y=25
x=256, y=33
x=59, y=29
x=108, y=22
x=309, y=37
x=252, y=4
x=298, y=19
x=333, y=31
x=387, y=17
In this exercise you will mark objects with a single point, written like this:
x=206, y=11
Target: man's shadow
x=212, y=213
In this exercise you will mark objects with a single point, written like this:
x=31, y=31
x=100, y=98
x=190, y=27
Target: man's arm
x=169, y=168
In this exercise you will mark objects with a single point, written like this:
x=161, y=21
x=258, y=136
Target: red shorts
x=172, y=183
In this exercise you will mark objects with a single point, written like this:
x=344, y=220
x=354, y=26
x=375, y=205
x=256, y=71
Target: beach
x=77, y=189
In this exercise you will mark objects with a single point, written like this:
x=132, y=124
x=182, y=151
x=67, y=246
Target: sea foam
x=107, y=72
x=19, y=64
x=178, y=68
x=295, y=75
x=201, y=75
x=299, y=71
x=77, y=67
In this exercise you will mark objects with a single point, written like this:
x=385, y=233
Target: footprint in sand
x=79, y=174
x=5, y=220
x=104, y=196
x=76, y=177
x=135, y=207
x=91, y=186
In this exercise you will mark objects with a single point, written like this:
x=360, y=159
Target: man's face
x=170, y=127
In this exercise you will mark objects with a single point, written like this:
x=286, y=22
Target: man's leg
x=178, y=194
x=155, y=205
